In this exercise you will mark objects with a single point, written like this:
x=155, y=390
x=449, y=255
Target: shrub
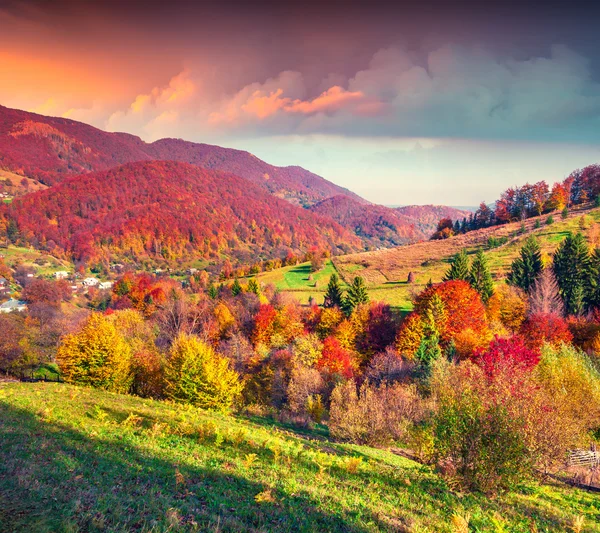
x=336, y=359
x=462, y=306
x=388, y=367
x=97, y=355
x=307, y=349
x=306, y=384
x=148, y=374
x=373, y=415
x=507, y=308
x=541, y=328
x=479, y=445
x=506, y=355
x=196, y=374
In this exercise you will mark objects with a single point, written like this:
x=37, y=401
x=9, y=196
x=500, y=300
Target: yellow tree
x=196, y=374
x=97, y=355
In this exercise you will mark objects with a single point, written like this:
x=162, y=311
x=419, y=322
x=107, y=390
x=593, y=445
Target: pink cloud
x=334, y=99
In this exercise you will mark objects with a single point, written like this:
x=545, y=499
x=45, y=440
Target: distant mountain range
x=112, y=195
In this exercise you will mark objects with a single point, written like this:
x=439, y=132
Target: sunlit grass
x=76, y=459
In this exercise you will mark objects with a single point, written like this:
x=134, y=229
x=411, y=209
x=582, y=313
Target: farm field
x=45, y=265
x=78, y=459
x=386, y=271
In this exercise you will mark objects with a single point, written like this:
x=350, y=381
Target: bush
x=148, y=374
x=479, y=445
x=306, y=384
x=373, y=415
x=196, y=374
x=97, y=356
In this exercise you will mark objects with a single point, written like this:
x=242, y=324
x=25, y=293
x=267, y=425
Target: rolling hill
x=386, y=271
x=165, y=210
x=50, y=149
x=78, y=459
x=383, y=227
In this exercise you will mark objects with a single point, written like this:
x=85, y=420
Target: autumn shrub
x=540, y=329
x=148, y=374
x=336, y=359
x=97, y=355
x=479, y=445
x=307, y=349
x=373, y=415
x=507, y=309
x=195, y=374
x=462, y=309
x=478, y=441
x=306, y=384
x=388, y=367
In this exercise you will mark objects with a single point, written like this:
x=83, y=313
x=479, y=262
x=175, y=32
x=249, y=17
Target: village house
x=61, y=274
x=90, y=282
x=105, y=285
x=13, y=305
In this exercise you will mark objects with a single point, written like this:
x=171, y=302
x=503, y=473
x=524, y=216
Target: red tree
x=540, y=328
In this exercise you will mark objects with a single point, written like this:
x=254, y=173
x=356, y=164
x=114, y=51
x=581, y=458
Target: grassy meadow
x=77, y=459
x=386, y=271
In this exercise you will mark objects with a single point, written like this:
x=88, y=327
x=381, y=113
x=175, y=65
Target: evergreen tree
x=459, y=268
x=481, y=277
x=213, y=292
x=429, y=350
x=593, y=298
x=333, y=294
x=253, y=286
x=236, y=288
x=357, y=295
x=526, y=268
x=456, y=227
x=573, y=268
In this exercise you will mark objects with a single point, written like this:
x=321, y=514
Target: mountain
x=376, y=225
x=379, y=226
x=50, y=149
x=166, y=210
x=426, y=217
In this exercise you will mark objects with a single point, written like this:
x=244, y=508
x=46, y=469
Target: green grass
x=386, y=271
x=75, y=459
x=15, y=255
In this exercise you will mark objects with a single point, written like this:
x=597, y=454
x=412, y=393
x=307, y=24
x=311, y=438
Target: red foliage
x=380, y=329
x=463, y=306
x=540, y=328
x=506, y=355
x=264, y=324
x=335, y=359
x=51, y=149
x=162, y=210
x=47, y=292
x=140, y=291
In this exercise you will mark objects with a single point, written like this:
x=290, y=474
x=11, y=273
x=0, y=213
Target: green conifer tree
x=357, y=295
x=481, y=277
x=253, y=286
x=236, y=288
x=459, y=268
x=526, y=268
x=573, y=270
x=333, y=294
x=213, y=292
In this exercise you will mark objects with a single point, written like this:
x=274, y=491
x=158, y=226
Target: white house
x=105, y=285
x=61, y=274
x=90, y=282
x=13, y=305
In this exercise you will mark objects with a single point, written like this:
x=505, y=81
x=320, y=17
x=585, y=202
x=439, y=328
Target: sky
x=410, y=102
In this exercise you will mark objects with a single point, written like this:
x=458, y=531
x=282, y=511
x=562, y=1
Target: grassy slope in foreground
x=76, y=459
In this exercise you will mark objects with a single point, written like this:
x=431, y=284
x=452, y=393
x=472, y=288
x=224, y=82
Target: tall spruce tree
x=481, y=277
x=593, y=299
x=526, y=268
x=333, y=294
x=357, y=295
x=573, y=270
x=236, y=288
x=459, y=268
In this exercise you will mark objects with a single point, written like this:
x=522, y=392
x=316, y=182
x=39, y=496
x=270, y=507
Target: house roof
x=12, y=304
